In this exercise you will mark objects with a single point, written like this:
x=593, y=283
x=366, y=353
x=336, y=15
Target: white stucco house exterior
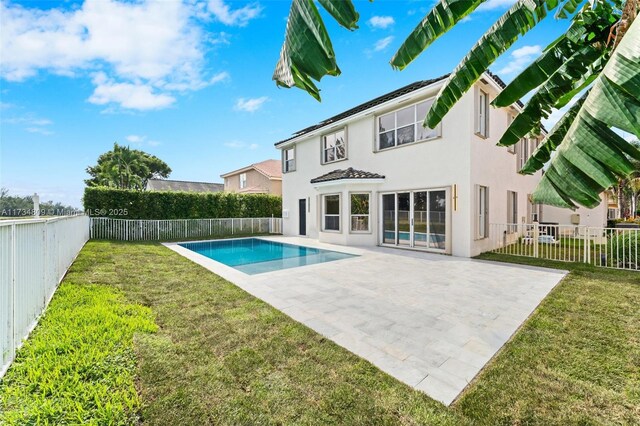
x=373, y=176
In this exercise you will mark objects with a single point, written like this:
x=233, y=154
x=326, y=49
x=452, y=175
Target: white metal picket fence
x=606, y=247
x=176, y=229
x=34, y=256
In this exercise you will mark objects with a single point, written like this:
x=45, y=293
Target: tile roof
x=270, y=168
x=349, y=173
x=181, y=185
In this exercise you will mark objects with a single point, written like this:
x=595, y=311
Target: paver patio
x=431, y=321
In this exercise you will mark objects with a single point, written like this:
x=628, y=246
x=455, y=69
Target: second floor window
x=289, y=160
x=334, y=147
x=404, y=126
x=482, y=114
x=243, y=180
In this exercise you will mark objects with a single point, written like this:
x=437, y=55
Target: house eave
x=339, y=182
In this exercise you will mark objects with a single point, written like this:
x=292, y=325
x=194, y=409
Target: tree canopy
x=126, y=168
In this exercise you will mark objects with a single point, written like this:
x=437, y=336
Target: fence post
x=536, y=236
x=12, y=298
x=231, y=226
x=586, y=255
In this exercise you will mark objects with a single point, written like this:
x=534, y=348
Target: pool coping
x=236, y=276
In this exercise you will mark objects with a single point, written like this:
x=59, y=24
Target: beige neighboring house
x=259, y=178
x=182, y=186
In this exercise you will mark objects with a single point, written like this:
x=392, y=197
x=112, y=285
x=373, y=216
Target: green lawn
x=220, y=356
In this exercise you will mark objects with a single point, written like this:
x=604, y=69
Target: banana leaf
x=307, y=53
x=517, y=21
x=438, y=21
x=571, y=78
x=592, y=157
x=590, y=27
x=550, y=143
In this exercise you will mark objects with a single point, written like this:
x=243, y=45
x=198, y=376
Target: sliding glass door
x=389, y=219
x=415, y=219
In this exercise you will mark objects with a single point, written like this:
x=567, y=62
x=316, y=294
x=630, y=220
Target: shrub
x=131, y=204
x=624, y=249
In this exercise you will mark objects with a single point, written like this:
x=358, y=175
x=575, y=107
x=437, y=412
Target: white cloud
x=128, y=95
x=250, y=105
x=141, y=139
x=241, y=145
x=135, y=138
x=381, y=22
x=31, y=122
x=495, y=4
x=238, y=17
x=520, y=58
x=148, y=48
x=39, y=130
x=382, y=43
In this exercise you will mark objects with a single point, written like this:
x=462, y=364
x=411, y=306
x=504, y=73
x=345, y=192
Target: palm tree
x=126, y=168
x=596, y=61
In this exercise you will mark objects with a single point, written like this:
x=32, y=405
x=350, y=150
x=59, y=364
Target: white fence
x=177, y=229
x=606, y=247
x=34, y=256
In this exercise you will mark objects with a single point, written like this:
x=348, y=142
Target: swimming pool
x=255, y=256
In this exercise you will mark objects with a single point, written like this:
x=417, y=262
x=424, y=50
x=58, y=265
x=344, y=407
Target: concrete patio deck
x=431, y=321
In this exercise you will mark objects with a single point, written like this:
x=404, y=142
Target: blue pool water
x=255, y=256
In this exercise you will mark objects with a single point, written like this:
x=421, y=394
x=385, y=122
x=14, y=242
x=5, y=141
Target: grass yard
x=221, y=356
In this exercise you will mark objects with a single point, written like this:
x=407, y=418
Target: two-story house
x=373, y=175
x=264, y=177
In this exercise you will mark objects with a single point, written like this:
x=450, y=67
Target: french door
x=416, y=219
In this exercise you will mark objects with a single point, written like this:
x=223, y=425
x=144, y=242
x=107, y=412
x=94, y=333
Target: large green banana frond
x=307, y=52
x=590, y=27
x=517, y=21
x=569, y=79
x=542, y=154
x=438, y=21
x=591, y=156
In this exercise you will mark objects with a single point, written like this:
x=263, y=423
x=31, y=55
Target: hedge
x=131, y=204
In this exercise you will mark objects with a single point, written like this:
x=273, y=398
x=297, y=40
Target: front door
x=303, y=216
x=415, y=219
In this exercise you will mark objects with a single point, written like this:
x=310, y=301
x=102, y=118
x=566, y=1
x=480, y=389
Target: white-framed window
x=243, y=180
x=482, y=114
x=404, y=126
x=360, y=211
x=334, y=147
x=331, y=212
x=512, y=211
x=482, y=211
x=612, y=213
x=289, y=160
x=522, y=151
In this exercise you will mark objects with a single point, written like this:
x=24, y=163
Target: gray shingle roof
x=380, y=100
x=181, y=185
x=349, y=173
x=365, y=106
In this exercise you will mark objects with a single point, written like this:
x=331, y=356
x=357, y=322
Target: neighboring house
x=596, y=217
x=373, y=175
x=259, y=178
x=181, y=185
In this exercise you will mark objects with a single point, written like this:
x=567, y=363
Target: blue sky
x=190, y=81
